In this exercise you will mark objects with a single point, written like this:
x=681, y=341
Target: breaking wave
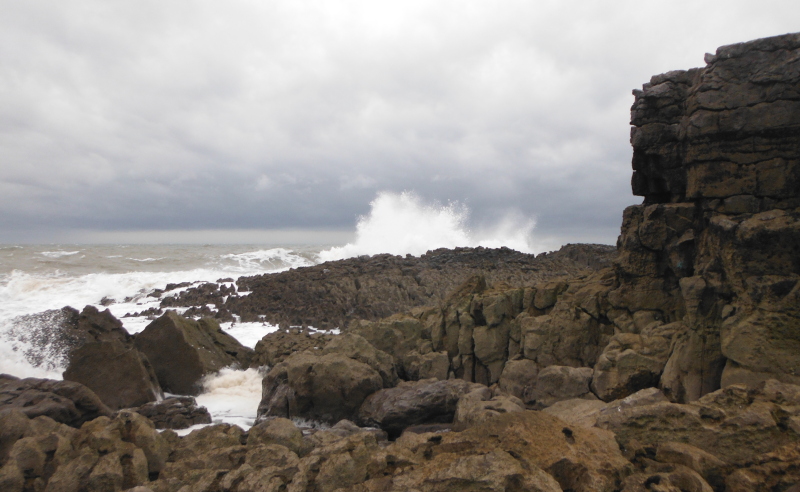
x=401, y=224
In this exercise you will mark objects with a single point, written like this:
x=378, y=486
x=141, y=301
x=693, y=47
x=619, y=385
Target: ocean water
x=119, y=277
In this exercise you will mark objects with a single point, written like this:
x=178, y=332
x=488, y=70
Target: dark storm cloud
x=294, y=114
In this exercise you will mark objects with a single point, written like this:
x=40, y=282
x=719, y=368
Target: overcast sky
x=121, y=120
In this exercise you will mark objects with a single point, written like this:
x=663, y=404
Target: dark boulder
x=182, y=351
x=51, y=335
x=121, y=376
x=327, y=384
x=428, y=401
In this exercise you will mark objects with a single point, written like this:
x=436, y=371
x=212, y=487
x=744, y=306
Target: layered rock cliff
x=716, y=243
x=704, y=292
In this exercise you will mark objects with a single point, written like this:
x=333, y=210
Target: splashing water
x=400, y=224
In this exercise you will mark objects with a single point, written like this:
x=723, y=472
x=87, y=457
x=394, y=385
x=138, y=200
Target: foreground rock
x=428, y=401
x=734, y=424
x=120, y=375
x=65, y=402
x=327, y=385
x=182, y=351
x=104, y=454
x=177, y=412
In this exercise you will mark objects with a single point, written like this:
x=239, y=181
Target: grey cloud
x=263, y=115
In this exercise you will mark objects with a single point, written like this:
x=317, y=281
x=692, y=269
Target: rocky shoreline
x=670, y=363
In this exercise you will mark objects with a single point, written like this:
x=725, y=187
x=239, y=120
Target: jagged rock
x=586, y=412
x=274, y=347
x=631, y=362
x=182, y=351
x=732, y=423
x=175, y=412
x=518, y=377
x=328, y=384
x=66, y=402
x=706, y=464
x=557, y=383
x=412, y=403
x=479, y=405
x=120, y=375
x=398, y=335
x=277, y=431
x=570, y=335
x=358, y=348
x=52, y=334
x=332, y=294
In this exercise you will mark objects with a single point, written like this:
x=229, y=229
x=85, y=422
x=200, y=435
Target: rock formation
x=672, y=369
x=705, y=290
x=119, y=374
x=182, y=351
x=331, y=294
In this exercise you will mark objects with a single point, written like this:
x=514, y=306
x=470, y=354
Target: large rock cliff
x=704, y=292
x=716, y=243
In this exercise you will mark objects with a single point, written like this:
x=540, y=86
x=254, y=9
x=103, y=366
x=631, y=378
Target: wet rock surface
x=175, y=412
x=332, y=294
x=182, y=351
x=120, y=375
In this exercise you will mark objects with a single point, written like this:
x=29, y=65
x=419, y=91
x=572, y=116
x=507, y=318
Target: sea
x=38, y=277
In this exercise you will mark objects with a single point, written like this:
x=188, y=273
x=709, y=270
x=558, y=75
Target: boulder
x=705, y=464
x=557, y=383
x=546, y=454
x=518, y=377
x=328, y=387
x=182, y=351
x=479, y=405
x=120, y=375
x=66, y=402
x=274, y=347
x=672, y=478
x=586, y=412
x=776, y=470
x=631, y=362
x=51, y=335
x=358, y=348
x=175, y=412
x=413, y=403
x=278, y=431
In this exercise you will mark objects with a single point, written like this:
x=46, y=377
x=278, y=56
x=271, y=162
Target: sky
x=282, y=120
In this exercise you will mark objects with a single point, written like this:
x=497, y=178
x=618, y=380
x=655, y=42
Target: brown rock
x=175, y=412
x=64, y=401
x=121, y=376
x=557, y=383
x=326, y=387
x=182, y=351
x=412, y=403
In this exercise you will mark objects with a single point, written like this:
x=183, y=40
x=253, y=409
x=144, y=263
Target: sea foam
x=402, y=223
